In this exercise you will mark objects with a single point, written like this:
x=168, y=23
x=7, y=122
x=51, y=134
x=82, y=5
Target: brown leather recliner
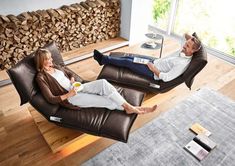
x=97, y=121
x=127, y=77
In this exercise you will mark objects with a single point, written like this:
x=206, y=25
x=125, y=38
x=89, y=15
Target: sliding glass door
x=161, y=10
x=213, y=20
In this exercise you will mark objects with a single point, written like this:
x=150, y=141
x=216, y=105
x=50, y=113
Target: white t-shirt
x=62, y=79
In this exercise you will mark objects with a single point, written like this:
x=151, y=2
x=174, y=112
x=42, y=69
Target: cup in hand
x=78, y=86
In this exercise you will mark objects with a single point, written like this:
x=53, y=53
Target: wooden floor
x=22, y=144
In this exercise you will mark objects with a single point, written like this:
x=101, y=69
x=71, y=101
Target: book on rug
x=196, y=150
x=205, y=142
x=140, y=60
x=198, y=129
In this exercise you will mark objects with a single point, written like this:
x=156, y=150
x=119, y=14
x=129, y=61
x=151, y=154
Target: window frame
x=170, y=28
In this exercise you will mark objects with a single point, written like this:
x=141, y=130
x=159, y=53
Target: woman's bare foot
x=131, y=109
x=138, y=110
x=147, y=109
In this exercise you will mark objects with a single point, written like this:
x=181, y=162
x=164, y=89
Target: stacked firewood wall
x=71, y=27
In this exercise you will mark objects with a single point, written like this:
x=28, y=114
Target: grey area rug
x=161, y=141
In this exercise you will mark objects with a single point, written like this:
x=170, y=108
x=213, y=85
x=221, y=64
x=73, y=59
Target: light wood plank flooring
x=22, y=144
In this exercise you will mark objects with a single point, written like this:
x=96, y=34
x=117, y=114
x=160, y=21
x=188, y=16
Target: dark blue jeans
x=127, y=61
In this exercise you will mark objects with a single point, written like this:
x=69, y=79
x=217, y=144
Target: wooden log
x=53, y=13
x=16, y=38
x=97, y=4
x=34, y=16
x=54, y=37
x=14, y=19
x=38, y=15
x=43, y=14
x=103, y=3
x=22, y=19
x=26, y=15
x=77, y=6
x=8, y=32
x=1, y=21
x=5, y=19
x=60, y=12
x=82, y=15
x=1, y=49
x=25, y=28
x=91, y=4
x=25, y=38
x=66, y=9
x=71, y=8
x=115, y=1
x=1, y=29
x=83, y=8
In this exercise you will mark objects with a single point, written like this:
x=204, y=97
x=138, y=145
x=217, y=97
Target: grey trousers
x=99, y=93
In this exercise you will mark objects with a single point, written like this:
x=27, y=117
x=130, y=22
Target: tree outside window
x=213, y=20
x=161, y=12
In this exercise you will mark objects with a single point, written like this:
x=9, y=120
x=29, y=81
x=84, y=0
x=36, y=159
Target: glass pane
x=213, y=20
x=161, y=9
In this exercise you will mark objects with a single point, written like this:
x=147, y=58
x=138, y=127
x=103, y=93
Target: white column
x=136, y=15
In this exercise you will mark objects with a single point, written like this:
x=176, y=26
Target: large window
x=161, y=9
x=213, y=20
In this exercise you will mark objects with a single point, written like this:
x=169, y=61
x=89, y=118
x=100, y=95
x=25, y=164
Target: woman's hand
x=72, y=80
x=72, y=92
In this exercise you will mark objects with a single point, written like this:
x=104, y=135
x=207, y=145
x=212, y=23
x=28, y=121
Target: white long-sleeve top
x=172, y=66
x=62, y=79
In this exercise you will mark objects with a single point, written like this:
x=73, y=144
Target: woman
x=55, y=83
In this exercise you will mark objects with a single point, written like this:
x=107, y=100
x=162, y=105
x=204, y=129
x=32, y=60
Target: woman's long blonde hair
x=40, y=56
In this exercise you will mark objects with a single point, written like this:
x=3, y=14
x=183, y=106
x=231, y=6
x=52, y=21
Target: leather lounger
x=96, y=121
x=125, y=76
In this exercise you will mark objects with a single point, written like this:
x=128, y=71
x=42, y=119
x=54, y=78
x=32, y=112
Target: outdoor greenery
x=231, y=43
x=160, y=12
x=160, y=8
x=211, y=19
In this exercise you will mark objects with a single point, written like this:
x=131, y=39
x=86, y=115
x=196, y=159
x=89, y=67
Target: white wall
x=16, y=7
x=136, y=15
x=141, y=17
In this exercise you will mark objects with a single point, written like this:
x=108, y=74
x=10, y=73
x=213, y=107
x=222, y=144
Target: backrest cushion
x=198, y=62
x=23, y=73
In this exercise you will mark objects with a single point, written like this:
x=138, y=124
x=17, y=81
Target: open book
x=140, y=60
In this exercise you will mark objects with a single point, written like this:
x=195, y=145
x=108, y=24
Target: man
x=166, y=69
